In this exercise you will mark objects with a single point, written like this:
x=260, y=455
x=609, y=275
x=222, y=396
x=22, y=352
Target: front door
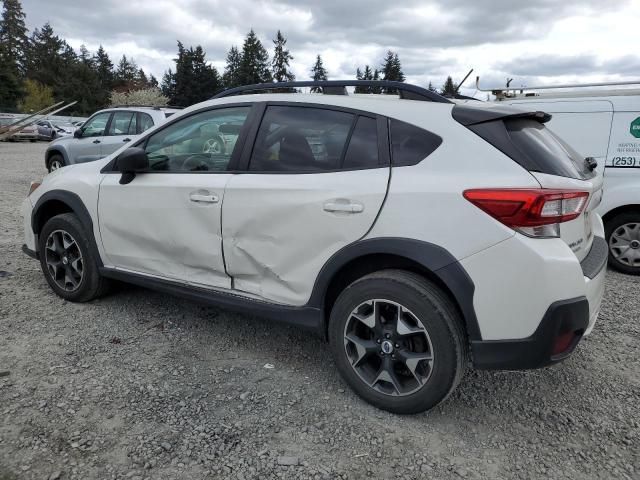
x=167, y=221
x=122, y=130
x=88, y=147
x=316, y=182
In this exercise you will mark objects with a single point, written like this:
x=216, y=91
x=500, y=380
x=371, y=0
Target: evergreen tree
x=13, y=37
x=449, y=87
x=168, y=85
x=231, y=77
x=142, y=81
x=85, y=57
x=392, y=70
x=281, y=58
x=359, y=76
x=193, y=81
x=104, y=69
x=44, y=57
x=153, y=82
x=10, y=88
x=254, y=67
x=126, y=74
x=318, y=72
x=431, y=88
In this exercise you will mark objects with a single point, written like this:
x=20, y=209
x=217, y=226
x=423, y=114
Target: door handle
x=96, y=141
x=203, y=198
x=344, y=207
x=126, y=140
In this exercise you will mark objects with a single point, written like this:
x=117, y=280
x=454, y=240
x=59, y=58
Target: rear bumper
x=537, y=350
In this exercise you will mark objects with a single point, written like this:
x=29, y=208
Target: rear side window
x=552, y=155
x=145, y=122
x=363, y=146
x=120, y=123
x=300, y=139
x=410, y=144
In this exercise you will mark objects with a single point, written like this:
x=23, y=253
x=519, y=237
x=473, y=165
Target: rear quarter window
x=410, y=144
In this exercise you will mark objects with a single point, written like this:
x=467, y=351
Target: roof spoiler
x=467, y=115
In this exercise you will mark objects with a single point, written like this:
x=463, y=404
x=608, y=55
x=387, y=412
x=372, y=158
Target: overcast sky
x=536, y=42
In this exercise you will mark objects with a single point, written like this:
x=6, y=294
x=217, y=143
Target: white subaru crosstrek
x=415, y=234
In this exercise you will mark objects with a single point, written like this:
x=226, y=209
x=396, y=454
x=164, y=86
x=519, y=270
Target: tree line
x=38, y=69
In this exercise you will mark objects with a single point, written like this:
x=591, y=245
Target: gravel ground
x=141, y=385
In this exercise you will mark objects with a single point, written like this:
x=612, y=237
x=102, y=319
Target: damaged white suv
x=415, y=234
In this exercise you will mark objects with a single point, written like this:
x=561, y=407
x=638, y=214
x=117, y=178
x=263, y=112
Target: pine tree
x=254, y=67
x=318, y=72
x=431, y=88
x=10, y=88
x=392, y=70
x=231, y=77
x=168, y=85
x=449, y=88
x=44, y=57
x=125, y=75
x=104, y=69
x=281, y=58
x=359, y=76
x=13, y=37
x=153, y=81
x=85, y=56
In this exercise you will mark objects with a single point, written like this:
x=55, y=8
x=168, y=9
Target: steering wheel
x=197, y=162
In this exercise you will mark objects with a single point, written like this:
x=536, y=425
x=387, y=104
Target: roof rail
x=338, y=87
x=508, y=91
x=155, y=107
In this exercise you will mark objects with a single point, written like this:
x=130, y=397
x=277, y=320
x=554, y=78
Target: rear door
x=316, y=180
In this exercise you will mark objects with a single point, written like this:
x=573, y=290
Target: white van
x=604, y=124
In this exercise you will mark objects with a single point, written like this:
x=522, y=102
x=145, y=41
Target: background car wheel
x=398, y=341
x=67, y=262
x=55, y=162
x=623, y=237
x=213, y=145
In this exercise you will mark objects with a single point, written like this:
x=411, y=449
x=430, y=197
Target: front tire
x=623, y=238
x=67, y=262
x=55, y=162
x=398, y=341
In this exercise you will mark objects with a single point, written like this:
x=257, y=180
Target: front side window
x=301, y=139
x=201, y=142
x=96, y=125
x=120, y=123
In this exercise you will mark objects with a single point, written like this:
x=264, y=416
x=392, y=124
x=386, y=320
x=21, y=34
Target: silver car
x=103, y=133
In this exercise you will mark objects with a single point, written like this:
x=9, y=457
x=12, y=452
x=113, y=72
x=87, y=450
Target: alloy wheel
x=212, y=146
x=624, y=244
x=55, y=165
x=388, y=347
x=64, y=260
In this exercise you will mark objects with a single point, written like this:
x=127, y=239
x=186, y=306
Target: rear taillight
x=533, y=212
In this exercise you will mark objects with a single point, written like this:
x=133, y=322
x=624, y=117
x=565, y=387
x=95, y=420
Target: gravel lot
x=141, y=385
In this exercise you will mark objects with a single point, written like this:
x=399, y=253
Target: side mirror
x=130, y=161
x=77, y=133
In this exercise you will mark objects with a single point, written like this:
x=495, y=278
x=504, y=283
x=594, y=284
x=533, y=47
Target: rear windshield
x=551, y=154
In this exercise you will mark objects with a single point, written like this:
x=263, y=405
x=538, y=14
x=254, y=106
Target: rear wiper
x=591, y=162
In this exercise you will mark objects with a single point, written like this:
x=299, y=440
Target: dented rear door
x=284, y=219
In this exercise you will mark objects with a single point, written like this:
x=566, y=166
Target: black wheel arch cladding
x=76, y=205
x=437, y=260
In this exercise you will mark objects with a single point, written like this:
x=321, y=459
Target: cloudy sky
x=535, y=42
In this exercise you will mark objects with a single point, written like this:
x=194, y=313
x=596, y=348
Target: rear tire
x=623, y=238
x=55, y=162
x=402, y=366
x=67, y=262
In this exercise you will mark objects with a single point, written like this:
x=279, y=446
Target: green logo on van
x=635, y=128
